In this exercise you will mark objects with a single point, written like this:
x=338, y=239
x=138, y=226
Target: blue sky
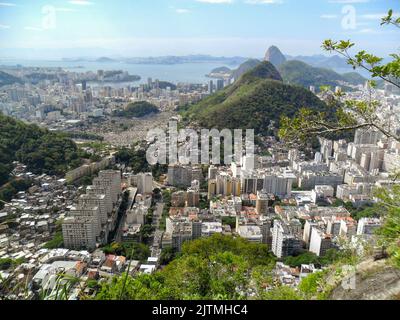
x=62, y=28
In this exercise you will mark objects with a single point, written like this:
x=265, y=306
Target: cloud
x=61, y=9
x=33, y=29
x=81, y=2
x=329, y=16
x=3, y=26
x=215, y=1
x=348, y=1
x=7, y=4
x=368, y=30
x=264, y=1
x=182, y=11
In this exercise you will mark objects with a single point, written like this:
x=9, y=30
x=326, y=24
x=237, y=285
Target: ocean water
x=185, y=73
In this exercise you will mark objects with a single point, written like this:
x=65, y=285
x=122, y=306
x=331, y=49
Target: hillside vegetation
x=258, y=97
x=137, y=109
x=7, y=79
x=219, y=267
x=40, y=150
x=302, y=74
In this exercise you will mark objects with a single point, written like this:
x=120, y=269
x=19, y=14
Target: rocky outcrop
x=275, y=56
x=373, y=281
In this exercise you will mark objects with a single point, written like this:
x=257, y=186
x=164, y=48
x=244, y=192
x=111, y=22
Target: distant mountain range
x=295, y=72
x=274, y=55
x=166, y=60
x=302, y=74
x=334, y=62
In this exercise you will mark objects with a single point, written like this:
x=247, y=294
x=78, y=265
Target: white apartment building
x=367, y=226
x=79, y=232
x=320, y=242
x=283, y=242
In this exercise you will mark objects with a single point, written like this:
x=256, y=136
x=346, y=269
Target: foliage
x=389, y=208
x=165, y=84
x=167, y=255
x=146, y=232
x=244, y=67
x=281, y=293
x=136, y=159
x=8, y=263
x=40, y=150
x=130, y=250
x=10, y=189
x=299, y=73
x=314, y=286
x=305, y=258
x=84, y=136
x=5, y=264
x=137, y=109
x=230, y=221
x=218, y=267
x=365, y=212
x=56, y=242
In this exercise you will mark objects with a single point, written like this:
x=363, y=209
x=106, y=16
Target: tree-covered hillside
x=137, y=109
x=6, y=79
x=258, y=97
x=302, y=74
x=219, y=267
x=39, y=149
x=245, y=67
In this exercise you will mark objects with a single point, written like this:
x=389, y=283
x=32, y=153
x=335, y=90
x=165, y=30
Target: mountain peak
x=264, y=70
x=275, y=56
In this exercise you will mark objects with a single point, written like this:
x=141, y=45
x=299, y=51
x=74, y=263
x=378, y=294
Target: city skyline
x=65, y=29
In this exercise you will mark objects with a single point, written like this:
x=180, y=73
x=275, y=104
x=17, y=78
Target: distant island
x=105, y=59
x=164, y=60
x=118, y=76
x=220, y=73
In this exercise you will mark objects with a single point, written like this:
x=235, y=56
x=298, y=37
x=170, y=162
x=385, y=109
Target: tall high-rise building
x=264, y=201
x=220, y=84
x=210, y=87
x=112, y=179
x=97, y=200
x=193, y=198
x=212, y=172
x=79, y=233
x=90, y=212
x=145, y=183
x=284, y=243
x=320, y=242
x=106, y=191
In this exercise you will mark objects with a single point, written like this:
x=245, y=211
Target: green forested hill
x=137, y=109
x=209, y=268
x=6, y=79
x=302, y=74
x=245, y=67
x=39, y=149
x=258, y=97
